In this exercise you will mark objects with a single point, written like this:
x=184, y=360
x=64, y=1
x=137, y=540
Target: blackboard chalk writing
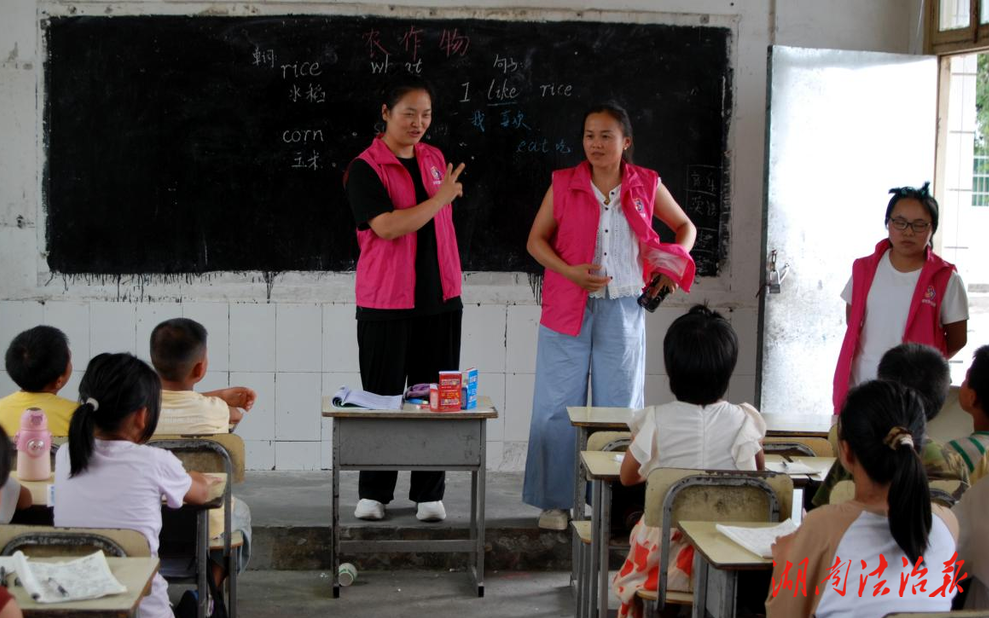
x=454, y=43
x=380, y=67
x=504, y=92
x=301, y=69
x=414, y=68
x=412, y=39
x=264, y=56
x=242, y=141
x=303, y=161
x=556, y=90
x=372, y=39
x=293, y=136
x=477, y=120
x=507, y=65
x=514, y=118
x=703, y=203
x=704, y=178
x=312, y=94
x=533, y=145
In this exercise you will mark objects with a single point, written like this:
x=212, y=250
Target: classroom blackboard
x=180, y=144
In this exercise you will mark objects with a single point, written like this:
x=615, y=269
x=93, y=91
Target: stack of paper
x=77, y=580
x=759, y=541
x=356, y=398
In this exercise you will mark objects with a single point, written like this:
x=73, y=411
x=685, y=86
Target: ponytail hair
x=113, y=387
x=884, y=425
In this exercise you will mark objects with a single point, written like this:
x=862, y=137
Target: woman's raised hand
x=450, y=189
x=581, y=275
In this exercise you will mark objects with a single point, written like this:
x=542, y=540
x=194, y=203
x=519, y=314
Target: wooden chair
x=609, y=441
x=943, y=492
x=674, y=494
x=45, y=541
x=798, y=446
x=213, y=453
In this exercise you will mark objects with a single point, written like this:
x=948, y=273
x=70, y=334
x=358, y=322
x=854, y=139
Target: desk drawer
x=409, y=442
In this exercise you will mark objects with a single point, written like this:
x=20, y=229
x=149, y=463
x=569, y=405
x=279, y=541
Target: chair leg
x=233, y=562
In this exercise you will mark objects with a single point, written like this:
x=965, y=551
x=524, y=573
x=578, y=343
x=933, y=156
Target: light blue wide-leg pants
x=612, y=346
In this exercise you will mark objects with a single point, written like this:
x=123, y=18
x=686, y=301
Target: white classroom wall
x=301, y=344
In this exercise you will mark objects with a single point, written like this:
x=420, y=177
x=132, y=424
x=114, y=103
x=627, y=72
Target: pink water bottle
x=34, y=443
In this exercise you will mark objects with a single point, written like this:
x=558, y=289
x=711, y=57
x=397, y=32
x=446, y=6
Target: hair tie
x=92, y=402
x=897, y=437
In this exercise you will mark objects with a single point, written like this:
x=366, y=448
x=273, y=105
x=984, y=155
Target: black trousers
x=393, y=352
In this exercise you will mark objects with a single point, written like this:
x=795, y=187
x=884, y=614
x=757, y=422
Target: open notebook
x=759, y=541
x=88, y=577
x=356, y=398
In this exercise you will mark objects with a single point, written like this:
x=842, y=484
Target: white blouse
x=719, y=436
x=616, y=248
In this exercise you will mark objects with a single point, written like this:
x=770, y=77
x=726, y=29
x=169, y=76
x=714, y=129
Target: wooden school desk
x=811, y=425
x=134, y=573
x=587, y=420
x=411, y=439
x=602, y=469
x=39, y=498
x=717, y=561
x=820, y=465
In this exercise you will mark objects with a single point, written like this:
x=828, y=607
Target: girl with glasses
x=901, y=293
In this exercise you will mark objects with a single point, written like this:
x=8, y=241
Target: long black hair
x=617, y=112
x=113, y=387
x=883, y=423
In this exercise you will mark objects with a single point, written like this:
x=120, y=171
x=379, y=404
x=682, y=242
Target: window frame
x=974, y=37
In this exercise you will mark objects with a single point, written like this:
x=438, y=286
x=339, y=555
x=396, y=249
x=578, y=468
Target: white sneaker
x=431, y=511
x=369, y=509
x=553, y=519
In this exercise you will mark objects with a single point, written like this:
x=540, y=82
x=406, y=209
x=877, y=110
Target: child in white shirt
x=698, y=430
x=106, y=477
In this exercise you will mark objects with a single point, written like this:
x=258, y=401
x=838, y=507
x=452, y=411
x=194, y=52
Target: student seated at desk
x=12, y=495
x=179, y=355
x=974, y=399
x=39, y=362
x=887, y=523
x=106, y=477
x=923, y=369
x=698, y=430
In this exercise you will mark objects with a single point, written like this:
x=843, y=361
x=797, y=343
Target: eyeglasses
x=919, y=226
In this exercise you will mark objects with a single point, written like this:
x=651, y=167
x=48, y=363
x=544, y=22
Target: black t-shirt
x=368, y=198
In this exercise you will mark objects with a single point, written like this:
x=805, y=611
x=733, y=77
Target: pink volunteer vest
x=577, y=213
x=923, y=321
x=386, y=277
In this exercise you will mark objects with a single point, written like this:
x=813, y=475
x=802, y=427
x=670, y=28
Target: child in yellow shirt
x=39, y=362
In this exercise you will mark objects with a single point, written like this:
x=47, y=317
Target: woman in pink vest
x=408, y=273
x=901, y=293
x=594, y=235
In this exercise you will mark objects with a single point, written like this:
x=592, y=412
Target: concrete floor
x=398, y=594
x=303, y=499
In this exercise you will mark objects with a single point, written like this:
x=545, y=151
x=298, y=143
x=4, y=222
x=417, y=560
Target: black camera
x=650, y=297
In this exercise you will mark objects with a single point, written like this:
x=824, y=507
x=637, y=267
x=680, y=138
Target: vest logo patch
x=639, y=206
x=929, y=296
x=437, y=176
